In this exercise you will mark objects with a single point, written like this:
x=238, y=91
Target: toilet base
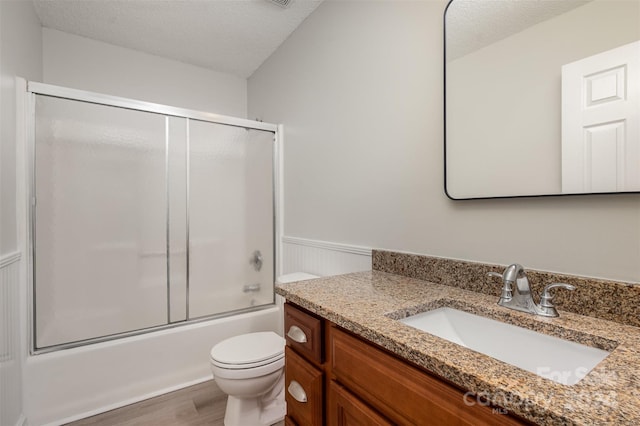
x=251, y=411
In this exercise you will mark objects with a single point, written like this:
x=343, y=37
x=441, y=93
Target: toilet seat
x=246, y=373
x=246, y=365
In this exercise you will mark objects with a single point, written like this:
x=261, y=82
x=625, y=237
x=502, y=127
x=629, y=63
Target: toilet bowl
x=249, y=368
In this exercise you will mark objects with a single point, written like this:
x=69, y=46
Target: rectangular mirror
x=541, y=97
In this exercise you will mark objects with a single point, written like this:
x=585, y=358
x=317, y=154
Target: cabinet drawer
x=345, y=409
x=303, y=332
x=303, y=390
x=401, y=392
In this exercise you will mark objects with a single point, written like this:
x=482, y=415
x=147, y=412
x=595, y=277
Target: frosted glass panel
x=230, y=217
x=101, y=236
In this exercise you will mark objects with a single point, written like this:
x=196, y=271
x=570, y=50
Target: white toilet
x=249, y=368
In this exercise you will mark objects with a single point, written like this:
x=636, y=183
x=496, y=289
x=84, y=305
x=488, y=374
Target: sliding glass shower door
x=230, y=218
x=143, y=219
x=100, y=220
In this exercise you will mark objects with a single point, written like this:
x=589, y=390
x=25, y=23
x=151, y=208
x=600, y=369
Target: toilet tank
x=295, y=276
x=288, y=278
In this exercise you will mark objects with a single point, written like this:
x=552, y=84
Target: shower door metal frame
x=42, y=89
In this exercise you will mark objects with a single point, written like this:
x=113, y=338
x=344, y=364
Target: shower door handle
x=251, y=288
x=256, y=260
x=296, y=390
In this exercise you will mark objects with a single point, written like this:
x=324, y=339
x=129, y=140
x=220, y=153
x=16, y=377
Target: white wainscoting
x=10, y=356
x=322, y=257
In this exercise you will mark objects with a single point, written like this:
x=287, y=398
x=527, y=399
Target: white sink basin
x=550, y=357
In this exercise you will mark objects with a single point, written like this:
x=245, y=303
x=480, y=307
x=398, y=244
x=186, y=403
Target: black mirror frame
x=444, y=105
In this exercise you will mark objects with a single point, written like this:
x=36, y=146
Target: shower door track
x=116, y=101
x=49, y=90
x=133, y=333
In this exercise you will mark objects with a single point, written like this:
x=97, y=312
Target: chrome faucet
x=516, y=292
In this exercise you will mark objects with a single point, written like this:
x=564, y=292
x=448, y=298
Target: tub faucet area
x=516, y=292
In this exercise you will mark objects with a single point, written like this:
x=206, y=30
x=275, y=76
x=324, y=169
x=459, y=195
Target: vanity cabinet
x=305, y=369
x=351, y=381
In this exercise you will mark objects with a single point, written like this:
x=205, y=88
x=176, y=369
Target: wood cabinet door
x=345, y=409
x=303, y=390
x=401, y=392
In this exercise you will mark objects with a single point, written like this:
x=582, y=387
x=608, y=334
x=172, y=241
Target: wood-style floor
x=198, y=405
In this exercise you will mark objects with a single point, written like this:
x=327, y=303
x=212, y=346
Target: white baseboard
x=323, y=257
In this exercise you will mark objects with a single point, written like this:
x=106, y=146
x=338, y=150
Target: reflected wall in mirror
x=542, y=97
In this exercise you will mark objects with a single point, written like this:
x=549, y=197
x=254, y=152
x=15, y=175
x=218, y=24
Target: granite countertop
x=369, y=304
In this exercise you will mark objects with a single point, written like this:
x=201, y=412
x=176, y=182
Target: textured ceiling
x=232, y=36
x=473, y=24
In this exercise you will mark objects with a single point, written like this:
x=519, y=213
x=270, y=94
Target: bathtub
x=71, y=384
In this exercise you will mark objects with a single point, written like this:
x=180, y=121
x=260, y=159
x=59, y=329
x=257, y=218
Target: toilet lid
x=248, y=348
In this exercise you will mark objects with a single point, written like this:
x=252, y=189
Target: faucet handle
x=507, y=293
x=546, y=300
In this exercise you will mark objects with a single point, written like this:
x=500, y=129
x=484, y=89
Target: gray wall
x=82, y=63
x=359, y=89
x=20, y=55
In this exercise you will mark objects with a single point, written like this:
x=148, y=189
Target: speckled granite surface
x=610, y=300
x=368, y=304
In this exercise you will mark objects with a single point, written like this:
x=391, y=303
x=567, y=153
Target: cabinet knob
x=297, y=392
x=296, y=334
